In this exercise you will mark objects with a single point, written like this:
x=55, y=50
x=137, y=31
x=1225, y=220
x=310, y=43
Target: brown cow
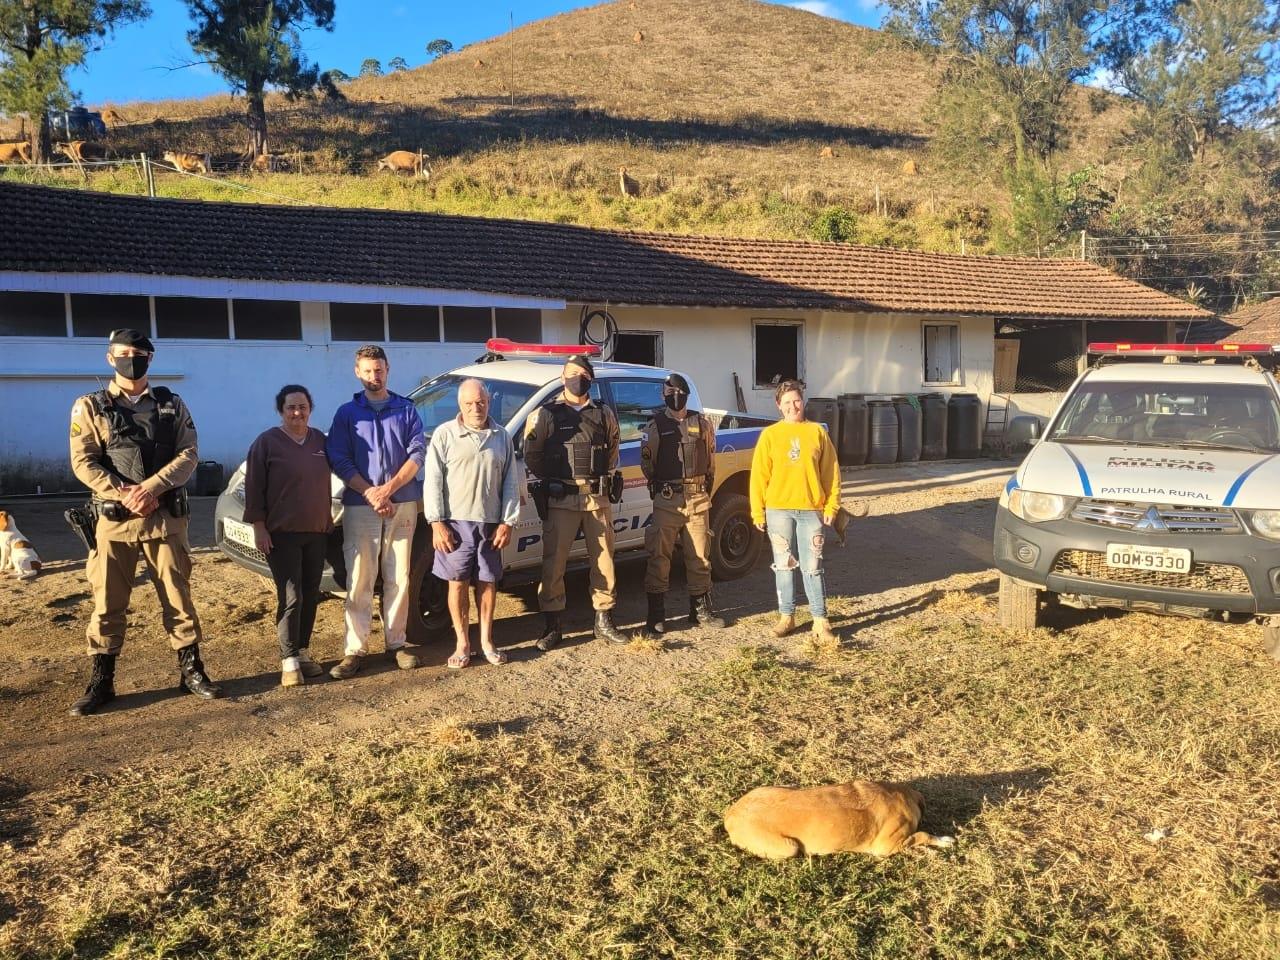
x=187, y=162
x=268, y=163
x=14, y=152
x=78, y=151
x=113, y=118
x=629, y=185
x=404, y=161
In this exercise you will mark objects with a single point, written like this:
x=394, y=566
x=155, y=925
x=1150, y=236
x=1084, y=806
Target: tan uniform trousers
x=111, y=569
x=558, y=533
x=685, y=519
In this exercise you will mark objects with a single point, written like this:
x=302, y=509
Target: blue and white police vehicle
x=1155, y=487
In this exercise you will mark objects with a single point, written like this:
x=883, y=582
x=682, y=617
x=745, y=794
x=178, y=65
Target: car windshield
x=1226, y=415
x=437, y=401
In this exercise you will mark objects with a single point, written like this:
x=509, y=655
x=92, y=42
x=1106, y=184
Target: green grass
x=1049, y=756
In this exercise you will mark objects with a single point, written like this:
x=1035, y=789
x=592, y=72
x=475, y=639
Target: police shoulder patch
x=75, y=429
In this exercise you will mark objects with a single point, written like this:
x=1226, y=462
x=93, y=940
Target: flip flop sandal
x=458, y=660
x=495, y=657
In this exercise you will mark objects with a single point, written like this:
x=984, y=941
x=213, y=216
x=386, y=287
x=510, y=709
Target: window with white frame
x=941, y=354
x=777, y=351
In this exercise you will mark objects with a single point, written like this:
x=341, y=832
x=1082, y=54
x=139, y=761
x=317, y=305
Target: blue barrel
x=855, y=424
x=964, y=426
x=884, y=432
x=908, y=428
x=933, y=413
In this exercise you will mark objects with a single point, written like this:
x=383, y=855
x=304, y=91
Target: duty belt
x=666, y=489
x=113, y=510
x=596, y=486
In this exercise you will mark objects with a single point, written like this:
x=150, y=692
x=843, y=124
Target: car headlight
x=1037, y=507
x=1267, y=523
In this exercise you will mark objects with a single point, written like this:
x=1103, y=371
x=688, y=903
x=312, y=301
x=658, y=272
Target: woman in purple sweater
x=287, y=499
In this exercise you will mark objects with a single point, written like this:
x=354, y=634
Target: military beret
x=676, y=382
x=128, y=337
x=583, y=361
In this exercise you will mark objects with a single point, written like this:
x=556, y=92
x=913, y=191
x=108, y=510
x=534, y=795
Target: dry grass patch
x=1050, y=756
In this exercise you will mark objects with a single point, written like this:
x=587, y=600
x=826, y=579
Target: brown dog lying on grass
x=858, y=817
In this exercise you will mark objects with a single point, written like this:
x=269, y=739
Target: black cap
x=677, y=382
x=128, y=337
x=583, y=361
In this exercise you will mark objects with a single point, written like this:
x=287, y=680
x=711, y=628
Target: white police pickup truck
x=520, y=378
x=1155, y=487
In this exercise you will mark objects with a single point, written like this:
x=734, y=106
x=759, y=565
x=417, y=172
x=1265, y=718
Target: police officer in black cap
x=678, y=457
x=134, y=446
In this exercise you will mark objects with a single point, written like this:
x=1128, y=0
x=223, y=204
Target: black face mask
x=131, y=368
x=578, y=386
x=676, y=400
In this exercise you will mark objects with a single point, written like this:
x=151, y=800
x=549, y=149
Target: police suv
x=520, y=378
x=1155, y=487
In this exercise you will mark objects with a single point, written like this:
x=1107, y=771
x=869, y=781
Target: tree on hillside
x=339, y=76
x=254, y=44
x=371, y=67
x=396, y=64
x=439, y=47
x=40, y=40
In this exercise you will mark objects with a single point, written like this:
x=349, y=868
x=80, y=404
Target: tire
x=429, y=607
x=1019, y=605
x=1271, y=640
x=735, y=542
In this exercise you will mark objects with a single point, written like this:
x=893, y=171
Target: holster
x=615, y=487
x=177, y=502
x=82, y=521
x=540, y=495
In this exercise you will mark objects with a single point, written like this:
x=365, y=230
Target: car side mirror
x=1024, y=432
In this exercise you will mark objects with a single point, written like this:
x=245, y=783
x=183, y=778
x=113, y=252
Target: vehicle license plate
x=237, y=532
x=1130, y=556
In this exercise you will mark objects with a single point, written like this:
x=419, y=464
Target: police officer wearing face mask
x=571, y=448
x=678, y=457
x=134, y=446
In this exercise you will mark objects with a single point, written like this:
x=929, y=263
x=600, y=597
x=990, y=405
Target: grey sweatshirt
x=472, y=475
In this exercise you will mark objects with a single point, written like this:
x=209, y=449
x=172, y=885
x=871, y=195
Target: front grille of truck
x=1203, y=578
x=1119, y=515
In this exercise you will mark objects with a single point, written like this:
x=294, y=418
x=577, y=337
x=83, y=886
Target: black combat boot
x=655, y=625
x=102, y=687
x=700, y=613
x=551, y=635
x=194, y=679
x=605, y=630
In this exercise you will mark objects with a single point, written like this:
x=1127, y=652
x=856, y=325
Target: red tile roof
x=54, y=230
x=1258, y=323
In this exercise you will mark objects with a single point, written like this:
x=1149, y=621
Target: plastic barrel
x=209, y=481
x=855, y=423
x=909, y=436
x=824, y=410
x=964, y=426
x=933, y=413
x=884, y=432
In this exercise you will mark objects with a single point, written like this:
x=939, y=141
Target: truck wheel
x=735, y=542
x=429, y=595
x=1019, y=605
x=1271, y=640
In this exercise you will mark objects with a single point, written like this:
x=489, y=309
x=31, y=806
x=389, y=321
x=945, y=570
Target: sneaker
x=308, y=666
x=291, y=678
x=786, y=623
x=406, y=660
x=348, y=668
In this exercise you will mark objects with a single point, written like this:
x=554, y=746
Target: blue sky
x=136, y=62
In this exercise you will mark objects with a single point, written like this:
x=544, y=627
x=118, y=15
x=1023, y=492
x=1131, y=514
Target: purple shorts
x=474, y=558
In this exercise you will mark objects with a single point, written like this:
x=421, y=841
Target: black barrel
x=209, y=481
x=855, y=424
x=884, y=432
x=933, y=413
x=964, y=426
x=824, y=410
x=908, y=428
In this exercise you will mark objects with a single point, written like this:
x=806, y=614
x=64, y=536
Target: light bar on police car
x=1179, y=349
x=502, y=347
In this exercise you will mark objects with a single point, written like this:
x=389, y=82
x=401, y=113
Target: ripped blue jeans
x=797, y=538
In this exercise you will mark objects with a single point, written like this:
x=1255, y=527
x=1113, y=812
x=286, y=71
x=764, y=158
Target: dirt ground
x=930, y=529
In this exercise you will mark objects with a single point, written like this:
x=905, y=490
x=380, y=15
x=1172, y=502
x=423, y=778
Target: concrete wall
x=229, y=385
x=843, y=352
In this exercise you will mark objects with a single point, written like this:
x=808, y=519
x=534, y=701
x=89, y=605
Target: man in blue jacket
x=376, y=447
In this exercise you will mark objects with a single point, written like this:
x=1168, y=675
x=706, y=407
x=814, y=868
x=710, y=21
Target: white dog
x=16, y=552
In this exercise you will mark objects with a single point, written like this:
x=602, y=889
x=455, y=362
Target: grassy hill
x=719, y=109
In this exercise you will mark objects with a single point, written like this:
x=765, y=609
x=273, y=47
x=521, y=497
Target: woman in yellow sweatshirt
x=795, y=493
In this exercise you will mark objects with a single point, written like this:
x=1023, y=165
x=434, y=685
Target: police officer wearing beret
x=134, y=446
x=677, y=456
x=571, y=447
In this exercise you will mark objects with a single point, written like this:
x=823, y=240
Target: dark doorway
x=638, y=346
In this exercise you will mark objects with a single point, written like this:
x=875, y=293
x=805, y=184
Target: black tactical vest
x=139, y=442
x=578, y=448
x=680, y=456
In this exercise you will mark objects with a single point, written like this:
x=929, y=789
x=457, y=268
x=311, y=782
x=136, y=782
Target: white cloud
x=821, y=7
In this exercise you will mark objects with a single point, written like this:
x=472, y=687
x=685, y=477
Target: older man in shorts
x=472, y=500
